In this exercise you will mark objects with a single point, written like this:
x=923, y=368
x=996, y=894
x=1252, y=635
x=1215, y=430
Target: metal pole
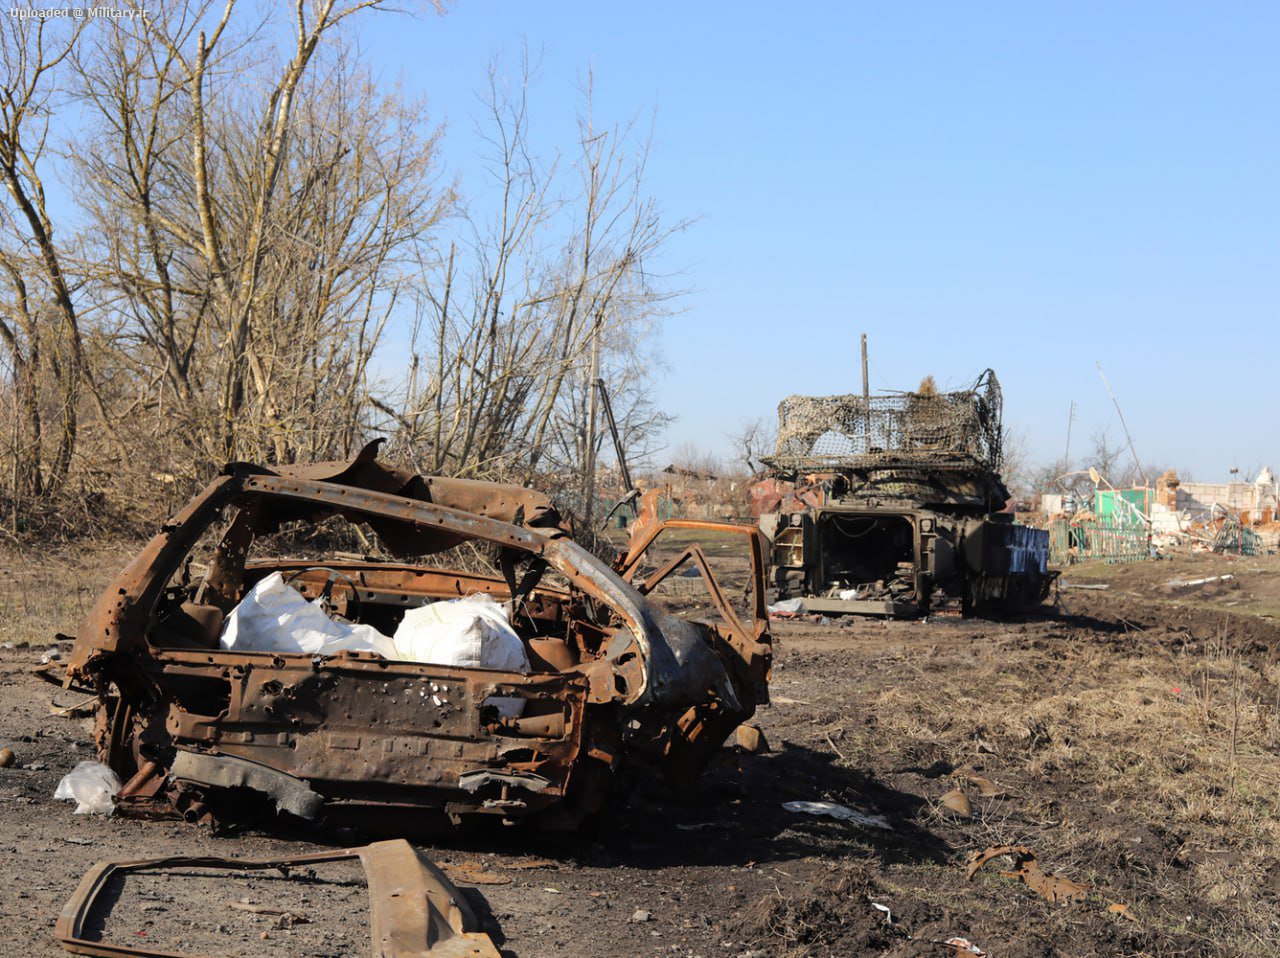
x=1123, y=425
x=866, y=394
x=617, y=440
x=589, y=456
x=1071, y=417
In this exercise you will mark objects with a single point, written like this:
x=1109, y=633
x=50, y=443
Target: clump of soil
x=833, y=915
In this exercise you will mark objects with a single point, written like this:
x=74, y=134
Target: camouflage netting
x=925, y=429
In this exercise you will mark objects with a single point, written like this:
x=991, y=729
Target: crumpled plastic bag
x=92, y=786
x=470, y=633
x=787, y=607
x=275, y=617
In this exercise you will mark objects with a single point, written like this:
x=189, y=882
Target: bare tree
x=1103, y=456
x=39, y=323
x=1015, y=461
x=754, y=440
x=268, y=358
x=234, y=248
x=691, y=459
x=499, y=374
x=254, y=218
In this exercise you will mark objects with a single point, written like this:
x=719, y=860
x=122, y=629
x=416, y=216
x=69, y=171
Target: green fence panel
x=1114, y=540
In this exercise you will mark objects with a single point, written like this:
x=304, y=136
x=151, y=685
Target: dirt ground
x=1128, y=736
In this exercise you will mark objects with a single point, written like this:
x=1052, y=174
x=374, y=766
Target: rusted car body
x=211, y=734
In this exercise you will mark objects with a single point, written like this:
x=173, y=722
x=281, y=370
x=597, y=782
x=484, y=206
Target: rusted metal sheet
x=415, y=911
x=394, y=744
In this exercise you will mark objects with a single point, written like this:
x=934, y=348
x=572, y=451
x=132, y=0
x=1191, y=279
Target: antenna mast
x=1124, y=425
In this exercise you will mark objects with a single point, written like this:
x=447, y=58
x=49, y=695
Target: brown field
x=1131, y=736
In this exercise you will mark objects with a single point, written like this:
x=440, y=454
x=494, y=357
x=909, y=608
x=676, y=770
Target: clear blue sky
x=1031, y=187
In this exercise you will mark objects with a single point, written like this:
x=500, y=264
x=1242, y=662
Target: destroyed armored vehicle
x=224, y=692
x=891, y=505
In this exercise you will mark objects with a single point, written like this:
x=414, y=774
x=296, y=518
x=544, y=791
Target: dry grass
x=46, y=592
x=1131, y=767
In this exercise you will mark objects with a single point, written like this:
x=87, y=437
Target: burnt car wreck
x=218, y=734
x=892, y=505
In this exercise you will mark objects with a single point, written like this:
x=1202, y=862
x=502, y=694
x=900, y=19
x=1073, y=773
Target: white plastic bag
x=787, y=607
x=275, y=617
x=91, y=785
x=469, y=633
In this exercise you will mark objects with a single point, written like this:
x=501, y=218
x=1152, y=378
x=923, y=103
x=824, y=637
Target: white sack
x=275, y=617
x=91, y=785
x=470, y=633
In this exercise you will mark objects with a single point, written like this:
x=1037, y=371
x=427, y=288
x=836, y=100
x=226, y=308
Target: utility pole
x=866, y=394
x=1124, y=425
x=1071, y=417
x=589, y=453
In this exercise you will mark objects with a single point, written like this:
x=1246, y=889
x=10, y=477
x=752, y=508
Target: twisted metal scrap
x=1051, y=887
x=957, y=430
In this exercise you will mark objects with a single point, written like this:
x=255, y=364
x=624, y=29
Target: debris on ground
x=787, y=607
x=1027, y=870
x=416, y=912
x=963, y=946
x=1176, y=583
x=841, y=812
x=986, y=788
x=92, y=786
x=957, y=801
x=474, y=873
x=751, y=739
x=530, y=863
